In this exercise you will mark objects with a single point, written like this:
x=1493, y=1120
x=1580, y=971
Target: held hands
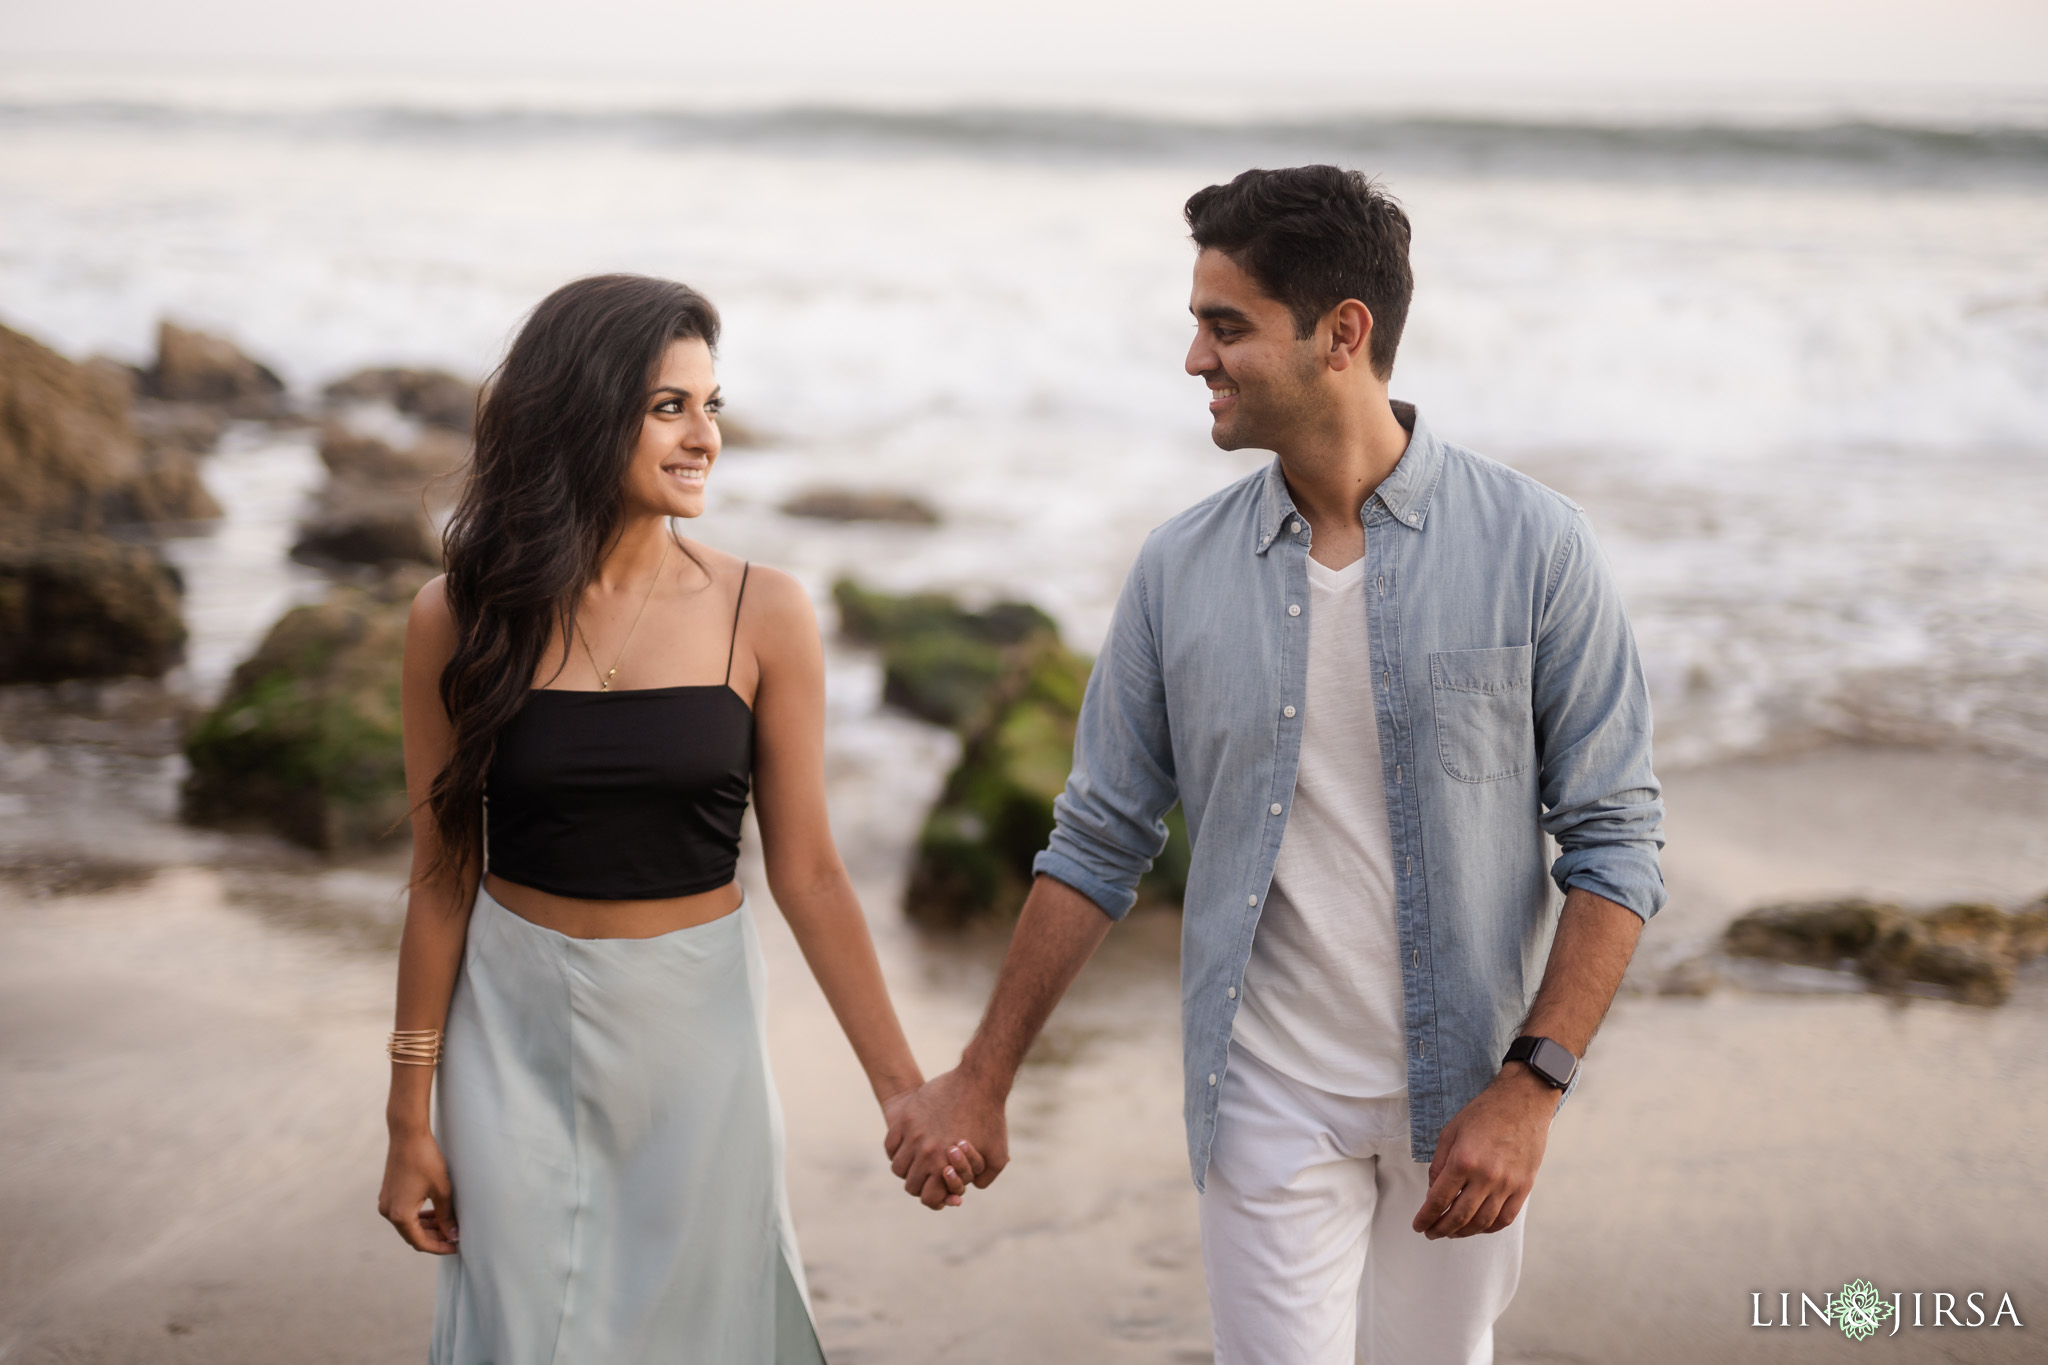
x=417, y=1197
x=945, y=1134
x=1486, y=1157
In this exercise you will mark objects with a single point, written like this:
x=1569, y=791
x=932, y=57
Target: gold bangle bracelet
x=415, y=1047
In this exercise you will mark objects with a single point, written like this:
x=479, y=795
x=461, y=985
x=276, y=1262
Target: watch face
x=1554, y=1062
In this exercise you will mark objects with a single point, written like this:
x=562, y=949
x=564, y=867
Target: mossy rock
x=1969, y=950
x=940, y=661
x=1825, y=933
x=1974, y=973
x=880, y=618
x=975, y=853
x=2030, y=931
x=307, y=742
x=944, y=679
x=1001, y=677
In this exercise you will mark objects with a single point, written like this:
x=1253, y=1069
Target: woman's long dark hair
x=555, y=433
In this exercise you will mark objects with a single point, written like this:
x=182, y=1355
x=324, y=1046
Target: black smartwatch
x=1553, y=1063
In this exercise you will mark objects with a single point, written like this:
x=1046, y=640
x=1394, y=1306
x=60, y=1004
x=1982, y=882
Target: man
x=1374, y=675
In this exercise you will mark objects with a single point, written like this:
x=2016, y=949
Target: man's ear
x=1350, y=324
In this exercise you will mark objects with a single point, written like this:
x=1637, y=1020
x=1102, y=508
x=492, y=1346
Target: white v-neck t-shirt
x=1322, y=992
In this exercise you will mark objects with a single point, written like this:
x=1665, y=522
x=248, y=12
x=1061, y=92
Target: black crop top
x=630, y=795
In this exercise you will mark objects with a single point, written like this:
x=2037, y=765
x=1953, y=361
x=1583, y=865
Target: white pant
x=1306, y=1238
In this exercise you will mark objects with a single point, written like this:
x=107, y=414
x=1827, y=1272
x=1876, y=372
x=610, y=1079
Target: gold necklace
x=604, y=679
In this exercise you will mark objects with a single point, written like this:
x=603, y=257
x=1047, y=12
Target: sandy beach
x=192, y=1138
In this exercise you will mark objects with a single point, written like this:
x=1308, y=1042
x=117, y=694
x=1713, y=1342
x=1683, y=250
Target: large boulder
x=1968, y=950
x=74, y=605
x=194, y=367
x=433, y=396
x=1001, y=678
x=73, y=602
x=362, y=523
x=376, y=505
x=70, y=457
x=436, y=454
x=306, y=742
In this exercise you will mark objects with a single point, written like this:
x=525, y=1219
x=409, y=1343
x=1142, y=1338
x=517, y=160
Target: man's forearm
x=1057, y=932
x=1488, y=1154
x=1595, y=940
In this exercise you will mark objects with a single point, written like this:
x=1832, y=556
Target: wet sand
x=191, y=1133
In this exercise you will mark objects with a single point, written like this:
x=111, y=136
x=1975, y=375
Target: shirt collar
x=1405, y=493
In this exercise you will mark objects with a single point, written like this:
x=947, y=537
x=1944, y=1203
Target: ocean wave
x=1858, y=150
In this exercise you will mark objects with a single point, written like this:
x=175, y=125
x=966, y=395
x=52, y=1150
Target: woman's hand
x=966, y=1164
x=417, y=1197
x=948, y=1187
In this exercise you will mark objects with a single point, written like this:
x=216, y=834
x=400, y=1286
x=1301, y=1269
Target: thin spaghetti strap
x=736, y=622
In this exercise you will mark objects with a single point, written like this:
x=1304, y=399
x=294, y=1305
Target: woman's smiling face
x=679, y=439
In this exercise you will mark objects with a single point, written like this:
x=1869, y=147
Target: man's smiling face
x=1262, y=378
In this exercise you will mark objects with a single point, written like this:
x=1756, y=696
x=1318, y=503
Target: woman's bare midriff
x=575, y=918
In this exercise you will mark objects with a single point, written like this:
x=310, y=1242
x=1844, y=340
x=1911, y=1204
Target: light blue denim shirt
x=1510, y=703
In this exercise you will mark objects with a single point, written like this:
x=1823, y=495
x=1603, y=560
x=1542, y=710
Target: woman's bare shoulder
x=778, y=598
x=431, y=625
x=430, y=604
x=768, y=589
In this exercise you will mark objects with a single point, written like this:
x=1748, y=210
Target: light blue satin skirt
x=615, y=1144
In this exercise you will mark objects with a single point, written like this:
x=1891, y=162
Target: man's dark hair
x=1312, y=237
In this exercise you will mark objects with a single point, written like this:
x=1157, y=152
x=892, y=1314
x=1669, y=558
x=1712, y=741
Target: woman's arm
x=805, y=873
x=430, y=952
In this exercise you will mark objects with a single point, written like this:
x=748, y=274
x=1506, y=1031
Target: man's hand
x=1487, y=1155
x=952, y=1126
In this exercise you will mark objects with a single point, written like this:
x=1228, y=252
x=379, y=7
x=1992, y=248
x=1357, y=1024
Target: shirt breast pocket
x=1485, y=725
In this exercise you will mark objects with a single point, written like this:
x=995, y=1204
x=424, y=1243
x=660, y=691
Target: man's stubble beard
x=1283, y=407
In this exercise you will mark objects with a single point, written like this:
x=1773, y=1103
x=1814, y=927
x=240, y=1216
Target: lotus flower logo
x=1859, y=1311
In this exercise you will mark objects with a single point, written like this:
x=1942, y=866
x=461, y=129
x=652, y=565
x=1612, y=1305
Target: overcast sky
x=1323, y=49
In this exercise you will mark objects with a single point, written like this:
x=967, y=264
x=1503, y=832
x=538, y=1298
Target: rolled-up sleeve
x=1602, y=802
x=1109, y=823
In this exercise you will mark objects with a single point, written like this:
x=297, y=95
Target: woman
x=587, y=700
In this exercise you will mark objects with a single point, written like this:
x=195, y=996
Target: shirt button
x=1412, y=518
x=1251, y=900
x=1230, y=994
x=1212, y=1078
x=1294, y=608
x=1287, y=711
x=1294, y=526
x=1275, y=808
